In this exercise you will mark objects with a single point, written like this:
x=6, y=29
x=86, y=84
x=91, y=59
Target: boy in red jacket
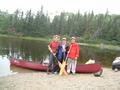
x=73, y=54
x=53, y=46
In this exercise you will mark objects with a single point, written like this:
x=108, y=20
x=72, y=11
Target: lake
x=37, y=51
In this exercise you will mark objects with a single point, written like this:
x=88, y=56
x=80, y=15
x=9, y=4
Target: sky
x=54, y=7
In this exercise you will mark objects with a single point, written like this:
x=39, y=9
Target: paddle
x=61, y=65
x=62, y=68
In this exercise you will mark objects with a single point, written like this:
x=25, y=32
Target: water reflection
x=36, y=51
x=103, y=56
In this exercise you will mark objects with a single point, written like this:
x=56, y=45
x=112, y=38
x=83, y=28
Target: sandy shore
x=110, y=80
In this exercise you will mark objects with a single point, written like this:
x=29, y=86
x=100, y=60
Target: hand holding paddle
x=61, y=65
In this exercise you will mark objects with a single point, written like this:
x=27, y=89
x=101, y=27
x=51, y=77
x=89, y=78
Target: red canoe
x=81, y=68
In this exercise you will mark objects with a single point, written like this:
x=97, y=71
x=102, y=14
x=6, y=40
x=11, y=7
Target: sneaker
x=48, y=71
x=73, y=73
x=55, y=73
x=68, y=72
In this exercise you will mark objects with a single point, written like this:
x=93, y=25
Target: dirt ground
x=109, y=80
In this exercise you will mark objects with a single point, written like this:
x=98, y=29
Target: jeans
x=52, y=63
x=71, y=65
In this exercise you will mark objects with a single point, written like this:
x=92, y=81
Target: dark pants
x=63, y=57
x=57, y=68
x=53, y=64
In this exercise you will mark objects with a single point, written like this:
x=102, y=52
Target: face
x=63, y=41
x=56, y=38
x=72, y=40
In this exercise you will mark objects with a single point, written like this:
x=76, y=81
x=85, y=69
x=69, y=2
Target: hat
x=64, y=38
x=73, y=38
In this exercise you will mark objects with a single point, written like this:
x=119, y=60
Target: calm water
x=36, y=51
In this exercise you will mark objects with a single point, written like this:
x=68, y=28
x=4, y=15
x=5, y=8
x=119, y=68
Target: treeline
x=88, y=26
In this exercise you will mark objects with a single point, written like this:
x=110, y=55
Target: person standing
x=61, y=52
x=52, y=47
x=60, y=55
x=73, y=54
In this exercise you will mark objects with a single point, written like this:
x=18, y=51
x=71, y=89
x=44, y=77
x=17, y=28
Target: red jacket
x=54, y=46
x=73, y=51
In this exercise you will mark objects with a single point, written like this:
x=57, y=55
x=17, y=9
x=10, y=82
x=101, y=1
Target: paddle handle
x=68, y=53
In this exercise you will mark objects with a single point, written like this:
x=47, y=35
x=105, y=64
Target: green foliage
x=89, y=27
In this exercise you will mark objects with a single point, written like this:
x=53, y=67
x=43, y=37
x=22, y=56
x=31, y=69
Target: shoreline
x=109, y=80
x=97, y=45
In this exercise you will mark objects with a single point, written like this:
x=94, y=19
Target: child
x=73, y=54
x=53, y=46
x=61, y=52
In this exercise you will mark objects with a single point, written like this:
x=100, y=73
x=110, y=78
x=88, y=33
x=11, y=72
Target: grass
x=26, y=37
x=36, y=38
x=102, y=46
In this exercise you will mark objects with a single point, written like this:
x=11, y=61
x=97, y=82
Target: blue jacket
x=60, y=53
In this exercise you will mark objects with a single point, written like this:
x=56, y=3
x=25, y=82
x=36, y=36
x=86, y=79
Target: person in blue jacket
x=61, y=53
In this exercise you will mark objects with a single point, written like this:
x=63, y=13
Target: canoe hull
x=28, y=65
x=81, y=68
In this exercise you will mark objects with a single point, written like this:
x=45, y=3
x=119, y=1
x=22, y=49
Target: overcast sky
x=56, y=6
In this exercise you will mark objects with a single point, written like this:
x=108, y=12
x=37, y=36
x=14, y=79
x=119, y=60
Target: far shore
x=99, y=45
